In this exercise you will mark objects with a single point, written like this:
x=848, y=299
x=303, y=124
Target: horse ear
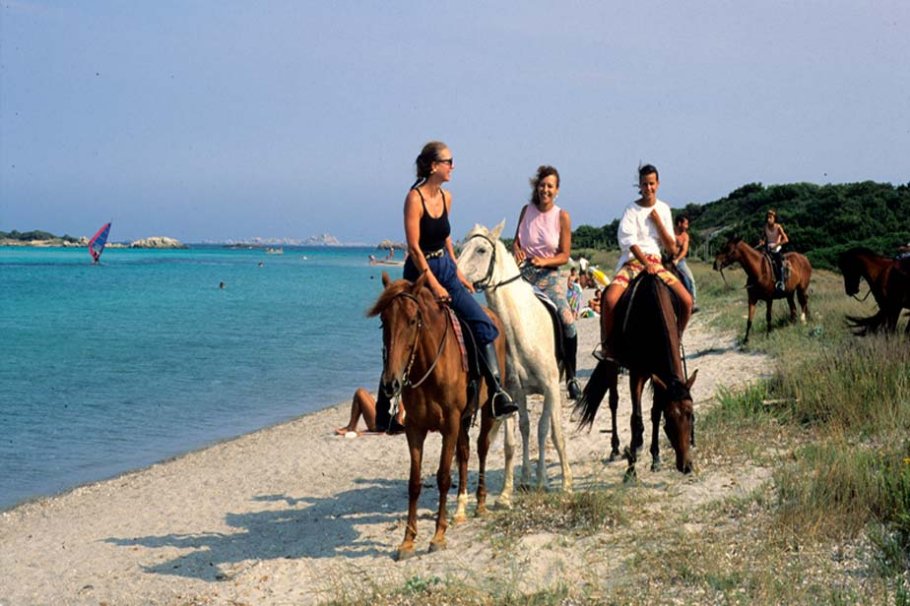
x=656, y=380
x=386, y=280
x=421, y=281
x=691, y=379
x=498, y=229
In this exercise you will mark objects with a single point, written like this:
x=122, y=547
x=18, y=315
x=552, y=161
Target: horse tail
x=863, y=326
x=586, y=406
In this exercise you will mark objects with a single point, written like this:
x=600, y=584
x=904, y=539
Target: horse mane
x=392, y=291
x=637, y=329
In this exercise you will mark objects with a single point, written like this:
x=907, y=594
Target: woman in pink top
x=543, y=242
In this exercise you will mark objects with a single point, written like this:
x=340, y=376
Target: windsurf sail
x=96, y=244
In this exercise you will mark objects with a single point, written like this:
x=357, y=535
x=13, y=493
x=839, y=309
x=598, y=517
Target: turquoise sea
x=112, y=367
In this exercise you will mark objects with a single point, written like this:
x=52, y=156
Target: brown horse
x=889, y=283
x=647, y=341
x=761, y=286
x=423, y=364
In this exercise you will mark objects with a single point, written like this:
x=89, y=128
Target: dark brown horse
x=761, y=284
x=889, y=283
x=646, y=340
x=423, y=364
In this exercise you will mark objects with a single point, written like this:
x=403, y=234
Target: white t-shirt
x=636, y=227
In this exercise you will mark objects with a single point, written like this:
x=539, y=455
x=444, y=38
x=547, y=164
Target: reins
x=484, y=283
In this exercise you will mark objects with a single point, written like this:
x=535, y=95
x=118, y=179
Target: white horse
x=531, y=361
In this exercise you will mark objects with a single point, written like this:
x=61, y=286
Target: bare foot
x=341, y=431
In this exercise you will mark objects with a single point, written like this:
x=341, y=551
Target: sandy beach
x=295, y=514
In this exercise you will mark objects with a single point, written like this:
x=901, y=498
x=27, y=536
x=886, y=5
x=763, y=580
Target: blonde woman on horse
x=646, y=227
x=428, y=232
x=543, y=243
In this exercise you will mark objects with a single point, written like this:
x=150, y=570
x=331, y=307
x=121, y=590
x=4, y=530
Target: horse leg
x=543, y=429
x=488, y=427
x=636, y=384
x=462, y=454
x=508, y=425
x=792, y=304
x=614, y=407
x=416, y=439
x=554, y=405
x=655, y=433
x=524, y=426
x=450, y=437
x=749, y=320
x=769, y=305
x=802, y=295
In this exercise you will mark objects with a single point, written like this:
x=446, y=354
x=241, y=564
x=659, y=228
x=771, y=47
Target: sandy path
x=295, y=514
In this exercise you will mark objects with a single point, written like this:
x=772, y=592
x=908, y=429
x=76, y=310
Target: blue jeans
x=463, y=302
x=687, y=277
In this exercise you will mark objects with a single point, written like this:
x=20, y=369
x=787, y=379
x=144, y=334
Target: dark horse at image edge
x=646, y=340
x=889, y=283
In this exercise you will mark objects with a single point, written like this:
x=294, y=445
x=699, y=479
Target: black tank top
x=433, y=232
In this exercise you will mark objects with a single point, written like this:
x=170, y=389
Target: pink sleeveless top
x=539, y=232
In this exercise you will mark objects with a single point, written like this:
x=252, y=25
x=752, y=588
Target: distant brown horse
x=646, y=340
x=889, y=283
x=423, y=364
x=761, y=282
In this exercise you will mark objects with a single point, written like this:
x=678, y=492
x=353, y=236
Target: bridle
x=484, y=283
x=412, y=356
x=859, y=278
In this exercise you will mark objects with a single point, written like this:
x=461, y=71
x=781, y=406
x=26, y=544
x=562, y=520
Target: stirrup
x=508, y=406
x=603, y=354
x=573, y=388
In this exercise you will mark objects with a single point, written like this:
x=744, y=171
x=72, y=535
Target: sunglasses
x=449, y=161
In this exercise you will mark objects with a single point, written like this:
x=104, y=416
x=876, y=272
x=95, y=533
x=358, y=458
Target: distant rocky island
x=43, y=239
x=317, y=240
x=39, y=238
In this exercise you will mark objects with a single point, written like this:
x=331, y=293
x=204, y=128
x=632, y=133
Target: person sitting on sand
x=363, y=405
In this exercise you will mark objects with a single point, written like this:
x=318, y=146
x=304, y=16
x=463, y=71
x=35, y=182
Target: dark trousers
x=463, y=302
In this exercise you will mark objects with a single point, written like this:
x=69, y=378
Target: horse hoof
x=614, y=456
x=404, y=554
x=481, y=511
x=655, y=466
x=460, y=519
x=630, y=476
x=503, y=503
x=439, y=546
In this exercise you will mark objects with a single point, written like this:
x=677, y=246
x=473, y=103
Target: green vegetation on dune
x=821, y=220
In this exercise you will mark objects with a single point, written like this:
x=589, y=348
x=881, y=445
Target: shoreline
x=289, y=513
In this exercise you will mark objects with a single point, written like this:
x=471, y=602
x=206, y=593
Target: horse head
x=679, y=420
x=728, y=254
x=400, y=308
x=483, y=259
x=849, y=265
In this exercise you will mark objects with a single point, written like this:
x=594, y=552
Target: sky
x=228, y=120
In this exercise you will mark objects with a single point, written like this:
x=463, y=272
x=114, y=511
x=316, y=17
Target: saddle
x=624, y=343
x=558, y=331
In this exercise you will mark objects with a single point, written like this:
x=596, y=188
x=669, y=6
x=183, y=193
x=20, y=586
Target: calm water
x=112, y=367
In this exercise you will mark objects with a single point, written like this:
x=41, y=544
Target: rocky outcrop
x=157, y=242
x=387, y=244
